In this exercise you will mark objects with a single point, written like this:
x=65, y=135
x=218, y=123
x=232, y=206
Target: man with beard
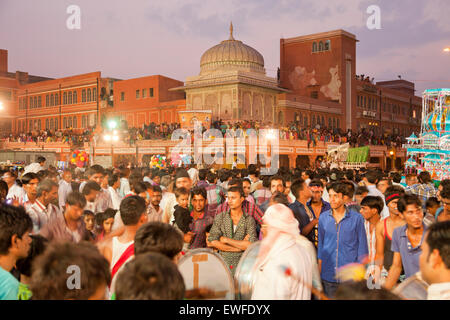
x=407, y=240
x=200, y=221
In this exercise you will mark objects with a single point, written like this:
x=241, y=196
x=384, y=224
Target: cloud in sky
x=144, y=37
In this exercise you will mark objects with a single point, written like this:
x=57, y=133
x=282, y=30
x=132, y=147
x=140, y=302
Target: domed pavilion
x=232, y=84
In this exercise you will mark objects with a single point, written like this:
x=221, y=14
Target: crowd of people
x=153, y=131
x=69, y=136
x=122, y=225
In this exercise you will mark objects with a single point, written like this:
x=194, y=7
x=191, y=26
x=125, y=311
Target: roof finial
x=231, y=31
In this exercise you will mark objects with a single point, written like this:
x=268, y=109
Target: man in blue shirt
x=15, y=226
x=306, y=219
x=407, y=240
x=342, y=239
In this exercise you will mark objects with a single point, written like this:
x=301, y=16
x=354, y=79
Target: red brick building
x=70, y=102
x=147, y=99
x=10, y=86
x=320, y=71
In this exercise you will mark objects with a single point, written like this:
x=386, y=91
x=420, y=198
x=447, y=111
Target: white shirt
x=271, y=282
x=115, y=198
x=34, y=167
x=439, y=291
x=63, y=191
x=124, y=187
x=147, y=179
x=40, y=215
x=193, y=174
x=16, y=192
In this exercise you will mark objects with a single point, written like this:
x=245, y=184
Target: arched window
x=320, y=46
x=39, y=102
x=56, y=123
x=327, y=45
x=75, y=97
x=334, y=123
x=65, y=98
x=47, y=100
x=83, y=95
x=94, y=94
x=56, y=99
x=52, y=100
x=69, y=97
x=313, y=121
x=64, y=123
x=69, y=122
x=52, y=124
x=314, y=47
x=75, y=122
x=329, y=123
x=35, y=102
x=46, y=124
x=31, y=102
x=89, y=96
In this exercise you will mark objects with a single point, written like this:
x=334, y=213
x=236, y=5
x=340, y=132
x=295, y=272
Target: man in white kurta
x=283, y=269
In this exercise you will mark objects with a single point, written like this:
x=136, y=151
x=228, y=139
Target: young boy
x=182, y=196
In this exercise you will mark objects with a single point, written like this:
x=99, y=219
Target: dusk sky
x=128, y=39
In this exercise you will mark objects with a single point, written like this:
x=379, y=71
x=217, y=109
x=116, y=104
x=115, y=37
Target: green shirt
x=223, y=227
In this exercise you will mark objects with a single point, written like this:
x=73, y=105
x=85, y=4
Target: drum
x=243, y=276
x=203, y=268
x=413, y=288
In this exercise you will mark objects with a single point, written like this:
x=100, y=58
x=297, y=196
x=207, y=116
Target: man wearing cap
x=283, y=268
